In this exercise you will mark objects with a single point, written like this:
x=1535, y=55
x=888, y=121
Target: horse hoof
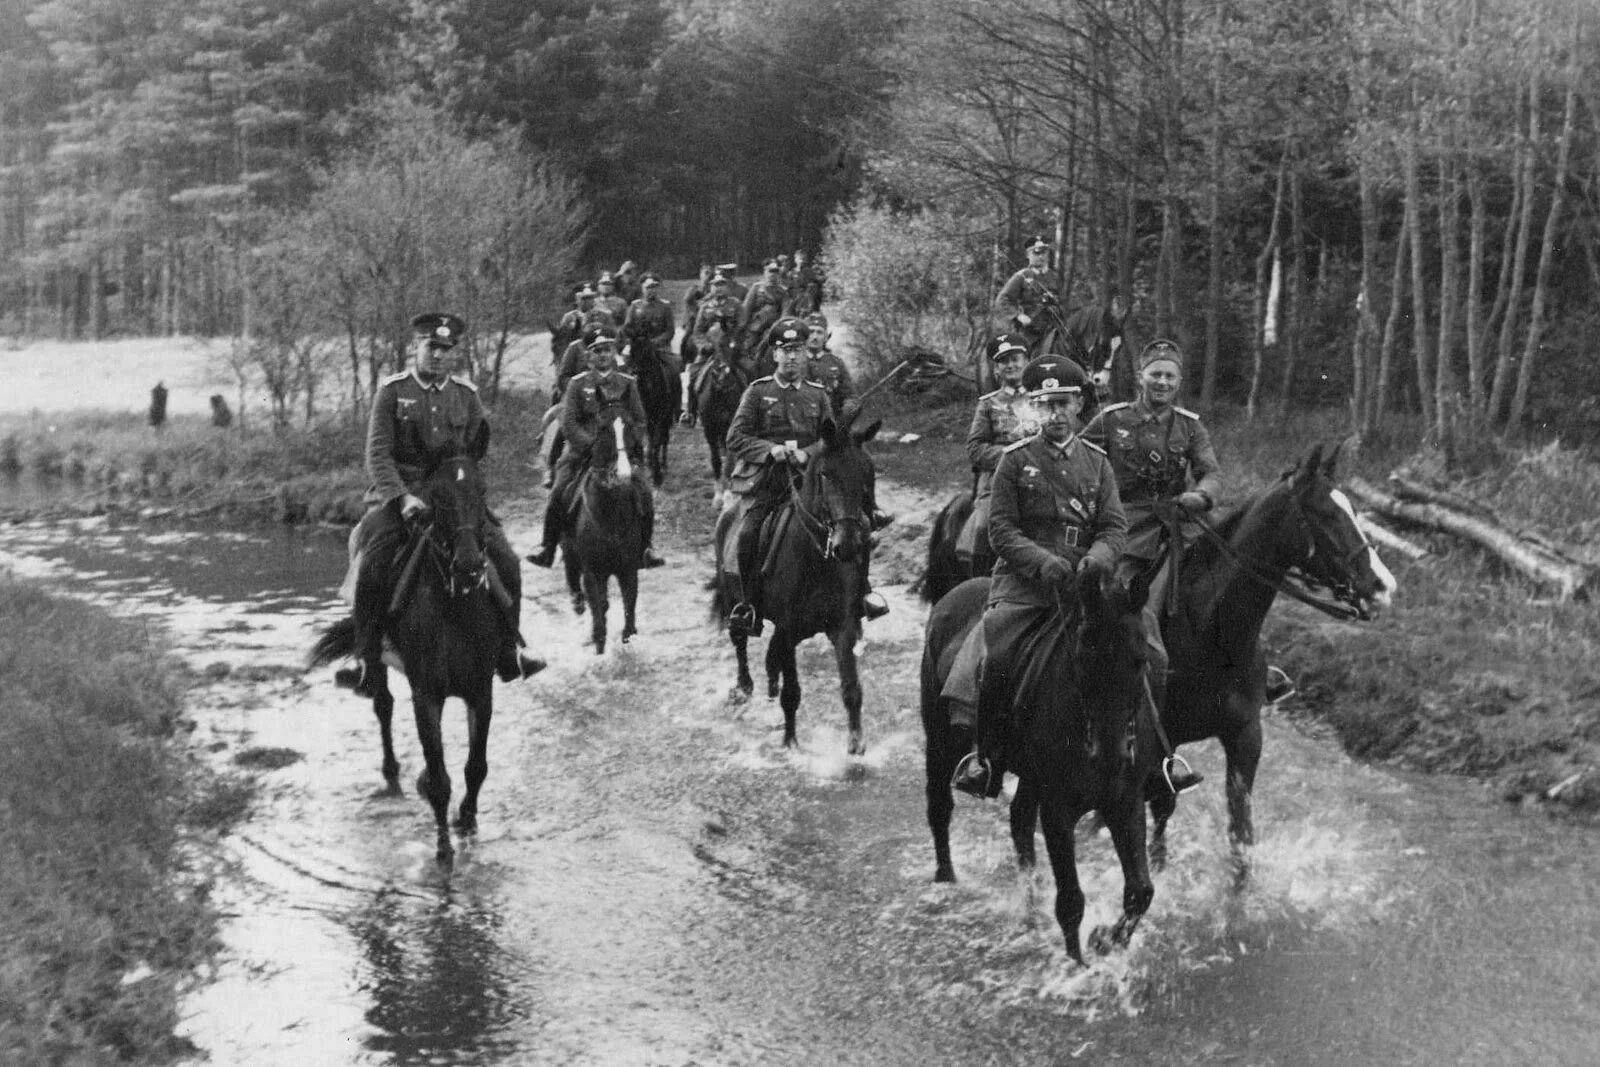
x=599, y=648
x=627, y=633
x=446, y=857
x=858, y=747
x=578, y=605
x=944, y=874
x=1099, y=941
x=737, y=696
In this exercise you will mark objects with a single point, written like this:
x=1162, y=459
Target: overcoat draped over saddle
x=413, y=425
x=1154, y=458
x=774, y=412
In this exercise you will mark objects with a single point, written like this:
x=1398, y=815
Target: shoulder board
x=391, y=379
x=1116, y=407
x=813, y=384
x=1186, y=411
x=768, y=378
x=986, y=396
x=1092, y=446
x=1013, y=446
x=624, y=374
x=463, y=381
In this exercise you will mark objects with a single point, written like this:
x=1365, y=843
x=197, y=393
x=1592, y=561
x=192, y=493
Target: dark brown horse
x=817, y=573
x=661, y=393
x=1301, y=526
x=717, y=392
x=945, y=568
x=1079, y=743
x=444, y=638
x=606, y=538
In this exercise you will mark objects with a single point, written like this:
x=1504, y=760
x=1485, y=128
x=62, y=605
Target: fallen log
x=1407, y=489
x=1568, y=579
x=1389, y=539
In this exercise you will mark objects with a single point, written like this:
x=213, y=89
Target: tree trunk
x=1263, y=264
x=1419, y=292
x=1446, y=400
x=1524, y=235
x=1208, y=381
x=1552, y=235
x=1296, y=289
x=1391, y=329
x=1569, y=580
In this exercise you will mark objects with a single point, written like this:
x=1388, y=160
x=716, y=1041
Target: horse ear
x=1092, y=593
x=1308, y=467
x=480, y=443
x=863, y=436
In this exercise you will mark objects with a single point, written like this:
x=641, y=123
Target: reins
x=1251, y=569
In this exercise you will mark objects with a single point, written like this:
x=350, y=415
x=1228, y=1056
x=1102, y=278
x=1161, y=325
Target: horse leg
x=744, y=685
x=628, y=586
x=774, y=666
x=941, y=757
x=789, y=695
x=1243, y=751
x=1125, y=819
x=1059, y=842
x=383, y=708
x=1161, y=808
x=434, y=781
x=569, y=563
x=594, y=589
x=480, y=710
x=844, y=654
x=1024, y=817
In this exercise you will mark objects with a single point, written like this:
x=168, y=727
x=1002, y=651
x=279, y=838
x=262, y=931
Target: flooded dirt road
x=656, y=881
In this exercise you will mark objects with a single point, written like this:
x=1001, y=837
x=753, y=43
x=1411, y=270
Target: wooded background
x=1381, y=204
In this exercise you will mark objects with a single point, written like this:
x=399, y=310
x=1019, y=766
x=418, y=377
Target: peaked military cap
x=816, y=320
x=441, y=330
x=790, y=333
x=1160, y=349
x=1053, y=376
x=603, y=335
x=650, y=277
x=1006, y=344
x=586, y=292
x=1035, y=243
x=606, y=279
x=719, y=277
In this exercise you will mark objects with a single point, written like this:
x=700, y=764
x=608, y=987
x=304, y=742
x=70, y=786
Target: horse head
x=609, y=460
x=837, y=484
x=1334, y=551
x=459, y=514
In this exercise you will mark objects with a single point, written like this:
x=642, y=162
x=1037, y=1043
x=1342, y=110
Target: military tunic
x=652, y=316
x=413, y=425
x=999, y=420
x=773, y=412
x=614, y=306
x=591, y=401
x=1154, y=458
x=763, y=305
x=574, y=361
x=716, y=310
x=1028, y=292
x=1051, y=501
x=829, y=371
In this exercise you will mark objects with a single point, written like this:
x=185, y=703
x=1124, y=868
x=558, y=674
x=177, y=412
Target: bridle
x=823, y=527
x=441, y=540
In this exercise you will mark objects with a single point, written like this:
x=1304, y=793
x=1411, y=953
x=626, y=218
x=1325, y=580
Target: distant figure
x=158, y=407
x=221, y=416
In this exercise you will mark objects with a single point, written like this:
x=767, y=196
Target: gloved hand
x=1194, y=501
x=1091, y=564
x=412, y=506
x=1101, y=378
x=1055, y=571
x=779, y=453
x=1024, y=320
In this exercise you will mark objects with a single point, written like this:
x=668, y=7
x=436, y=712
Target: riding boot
x=981, y=771
x=552, y=532
x=556, y=448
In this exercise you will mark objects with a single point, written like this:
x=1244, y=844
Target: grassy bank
x=1473, y=672
x=104, y=921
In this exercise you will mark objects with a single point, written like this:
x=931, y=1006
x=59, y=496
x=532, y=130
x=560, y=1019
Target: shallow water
x=656, y=881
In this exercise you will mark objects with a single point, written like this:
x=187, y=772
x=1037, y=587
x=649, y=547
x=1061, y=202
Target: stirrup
x=873, y=606
x=1180, y=779
x=742, y=619
x=519, y=667
x=545, y=557
x=360, y=679
x=971, y=775
x=1279, y=685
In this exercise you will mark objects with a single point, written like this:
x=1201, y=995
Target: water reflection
x=444, y=987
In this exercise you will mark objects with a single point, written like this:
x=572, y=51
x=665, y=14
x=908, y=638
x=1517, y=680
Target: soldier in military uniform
x=691, y=308
x=1031, y=297
x=629, y=284
x=805, y=285
x=777, y=429
x=1055, y=512
x=650, y=317
x=765, y=303
x=609, y=301
x=721, y=310
x=591, y=401
x=825, y=368
x=419, y=417
x=570, y=328
x=1159, y=451
x=1000, y=419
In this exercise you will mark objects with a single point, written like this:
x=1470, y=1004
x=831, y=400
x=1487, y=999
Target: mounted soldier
x=1031, y=297
x=763, y=306
x=419, y=417
x=591, y=401
x=1054, y=513
x=805, y=285
x=777, y=429
x=714, y=328
x=570, y=328
x=1000, y=419
x=825, y=368
x=650, y=319
x=1159, y=452
x=609, y=301
x=629, y=286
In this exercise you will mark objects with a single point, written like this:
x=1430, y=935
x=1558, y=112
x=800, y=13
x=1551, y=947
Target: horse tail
x=336, y=642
